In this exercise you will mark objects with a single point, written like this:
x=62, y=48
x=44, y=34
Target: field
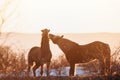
x=15, y=61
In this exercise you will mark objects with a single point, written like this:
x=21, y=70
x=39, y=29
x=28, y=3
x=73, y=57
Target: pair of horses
x=74, y=53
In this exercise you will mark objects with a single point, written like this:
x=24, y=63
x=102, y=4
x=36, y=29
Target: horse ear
x=62, y=36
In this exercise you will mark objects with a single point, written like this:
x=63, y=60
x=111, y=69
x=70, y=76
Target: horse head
x=45, y=32
x=55, y=38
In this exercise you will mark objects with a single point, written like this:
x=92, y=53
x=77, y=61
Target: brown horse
x=40, y=55
x=76, y=53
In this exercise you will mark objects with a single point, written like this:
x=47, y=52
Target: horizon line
x=64, y=32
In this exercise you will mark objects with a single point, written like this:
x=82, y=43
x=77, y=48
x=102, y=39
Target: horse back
x=96, y=49
x=87, y=52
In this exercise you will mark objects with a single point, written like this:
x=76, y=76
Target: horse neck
x=45, y=42
x=71, y=48
x=45, y=49
x=66, y=45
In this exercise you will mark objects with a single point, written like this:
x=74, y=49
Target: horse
x=76, y=53
x=40, y=55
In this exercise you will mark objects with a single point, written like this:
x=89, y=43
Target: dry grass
x=64, y=78
x=20, y=61
x=115, y=62
x=11, y=61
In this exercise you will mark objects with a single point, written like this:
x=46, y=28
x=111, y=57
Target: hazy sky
x=63, y=16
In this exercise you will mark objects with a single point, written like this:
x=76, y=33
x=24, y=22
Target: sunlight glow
x=65, y=16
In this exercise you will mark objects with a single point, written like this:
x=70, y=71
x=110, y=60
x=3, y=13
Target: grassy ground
x=64, y=78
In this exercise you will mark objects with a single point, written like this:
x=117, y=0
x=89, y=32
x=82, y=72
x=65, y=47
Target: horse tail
x=107, y=58
x=30, y=60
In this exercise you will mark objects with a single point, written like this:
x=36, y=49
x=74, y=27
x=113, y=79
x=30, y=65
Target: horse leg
x=102, y=67
x=48, y=64
x=107, y=62
x=72, y=68
x=28, y=70
x=34, y=69
x=29, y=67
x=41, y=71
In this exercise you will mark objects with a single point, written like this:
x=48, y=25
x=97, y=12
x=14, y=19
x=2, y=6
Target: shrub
x=115, y=63
x=11, y=61
x=61, y=61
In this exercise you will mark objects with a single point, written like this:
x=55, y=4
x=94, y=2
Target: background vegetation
x=11, y=61
x=15, y=63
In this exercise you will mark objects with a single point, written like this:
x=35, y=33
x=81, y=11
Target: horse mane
x=69, y=42
x=45, y=41
x=67, y=45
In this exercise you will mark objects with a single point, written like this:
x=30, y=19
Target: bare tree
x=7, y=10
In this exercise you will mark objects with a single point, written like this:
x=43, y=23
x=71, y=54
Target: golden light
x=64, y=16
